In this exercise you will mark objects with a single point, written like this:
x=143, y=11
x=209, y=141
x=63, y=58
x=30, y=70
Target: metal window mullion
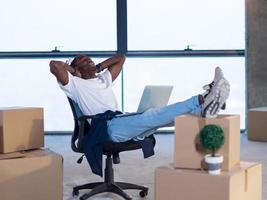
x=122, y=37
x=122, y=26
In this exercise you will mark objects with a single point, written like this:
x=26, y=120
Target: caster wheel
x=75, y=193
x=143, y=193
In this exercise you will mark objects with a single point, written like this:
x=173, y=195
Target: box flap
x=29, y=154
x=263, y=109
x=17, y=108
x=11, y=155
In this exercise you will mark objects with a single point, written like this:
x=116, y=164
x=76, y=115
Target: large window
x=174, y=24
x=37, y=25
x=152, y=33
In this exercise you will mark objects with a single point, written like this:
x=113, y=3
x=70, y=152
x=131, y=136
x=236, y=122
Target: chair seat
x=116, y=147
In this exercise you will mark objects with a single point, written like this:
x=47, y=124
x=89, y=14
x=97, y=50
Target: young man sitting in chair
x=90, y=86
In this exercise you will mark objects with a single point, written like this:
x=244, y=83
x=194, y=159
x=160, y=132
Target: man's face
x=85, y=66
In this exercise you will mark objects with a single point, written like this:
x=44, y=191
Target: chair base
x=116, y=187
x=109, y=185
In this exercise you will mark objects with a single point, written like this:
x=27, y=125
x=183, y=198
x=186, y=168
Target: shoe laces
x=208, y=88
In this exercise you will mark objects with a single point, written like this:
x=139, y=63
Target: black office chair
x=111, y=150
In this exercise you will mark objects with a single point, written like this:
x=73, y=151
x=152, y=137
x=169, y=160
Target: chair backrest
x=76, y=136
x=76, y=111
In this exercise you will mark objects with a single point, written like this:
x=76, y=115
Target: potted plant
x=212, y=139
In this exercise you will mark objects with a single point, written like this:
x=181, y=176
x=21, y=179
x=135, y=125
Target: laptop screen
x=154, y=96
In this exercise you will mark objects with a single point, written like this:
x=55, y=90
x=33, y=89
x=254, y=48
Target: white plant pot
x=214, y=164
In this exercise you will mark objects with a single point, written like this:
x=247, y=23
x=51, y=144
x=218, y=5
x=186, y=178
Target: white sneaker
x=217, y=76
x=217, y=95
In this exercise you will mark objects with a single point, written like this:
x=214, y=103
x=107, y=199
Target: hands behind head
x=84, y=67
x=76, y=71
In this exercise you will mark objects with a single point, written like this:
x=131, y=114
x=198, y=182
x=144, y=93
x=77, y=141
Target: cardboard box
x=243, y=182
x=35, y=174
x=21, y=129
x=189, y=153
x=257, y=124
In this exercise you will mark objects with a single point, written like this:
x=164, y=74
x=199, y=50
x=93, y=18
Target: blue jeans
x=138, y=126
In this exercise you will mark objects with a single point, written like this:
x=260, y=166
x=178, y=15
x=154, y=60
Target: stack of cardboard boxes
x=26, y=171
x=187, y=178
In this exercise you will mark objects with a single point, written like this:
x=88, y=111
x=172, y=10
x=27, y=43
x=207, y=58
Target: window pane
x=29, y=83
x=32, y=25
x=187, y=75
x=174, y=24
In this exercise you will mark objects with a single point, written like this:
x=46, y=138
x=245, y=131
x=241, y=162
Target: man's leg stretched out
x=124, y=128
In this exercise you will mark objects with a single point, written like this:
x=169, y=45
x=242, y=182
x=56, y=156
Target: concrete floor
x=134, y=168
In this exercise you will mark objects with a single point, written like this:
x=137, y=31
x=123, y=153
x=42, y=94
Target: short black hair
x=75, y=62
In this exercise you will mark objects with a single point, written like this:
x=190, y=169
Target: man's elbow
x=53, y=66
x=122, y=58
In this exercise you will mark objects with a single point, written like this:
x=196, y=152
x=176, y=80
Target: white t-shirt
x=93, y=96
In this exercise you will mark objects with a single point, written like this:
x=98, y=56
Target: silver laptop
x=153, y=96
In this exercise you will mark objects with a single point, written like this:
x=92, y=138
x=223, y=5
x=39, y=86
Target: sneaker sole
x=222, y=91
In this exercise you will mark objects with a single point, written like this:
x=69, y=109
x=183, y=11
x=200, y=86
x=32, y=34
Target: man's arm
x=59, y=69
x=114, y=65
